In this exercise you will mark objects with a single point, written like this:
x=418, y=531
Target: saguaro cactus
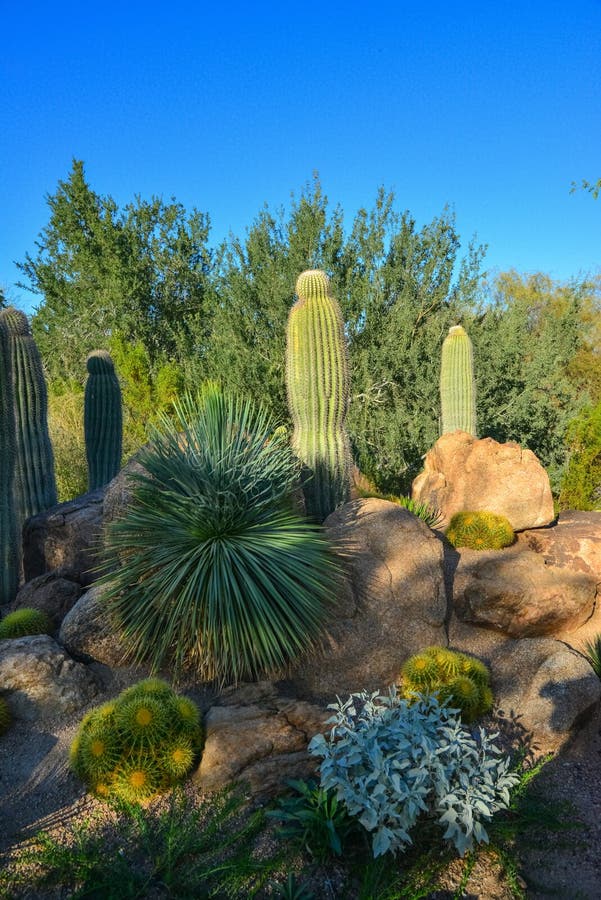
x=9, y=533
x=457, y=384
x=317, y=383
x=35, y=485
x=102, y=420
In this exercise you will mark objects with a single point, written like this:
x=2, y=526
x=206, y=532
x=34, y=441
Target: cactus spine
x=457, y=384
x=9, y=535
x=102, y=420
x=318, y=395
x=35, y=485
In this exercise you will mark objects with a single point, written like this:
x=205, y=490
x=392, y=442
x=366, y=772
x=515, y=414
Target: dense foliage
x=391, y=761
x=143, y=283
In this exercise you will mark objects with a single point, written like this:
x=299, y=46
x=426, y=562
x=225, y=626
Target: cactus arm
x=9, y=534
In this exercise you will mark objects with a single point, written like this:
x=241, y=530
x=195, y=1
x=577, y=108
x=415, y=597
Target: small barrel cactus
x=318, y=393
x=459, y=679
x=143, y=742
x=480, y=530
x=457, y=383
x=5, y=715
x=23, y=622
x=103, y=424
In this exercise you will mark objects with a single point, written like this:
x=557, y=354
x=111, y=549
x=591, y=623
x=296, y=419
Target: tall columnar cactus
x=457, y=383
x=9, y=534
x=102, y=420
x=318, y=394
x=35, y=485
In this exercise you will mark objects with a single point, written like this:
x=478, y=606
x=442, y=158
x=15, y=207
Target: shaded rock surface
x=256, y=736
x=393, y=605
x=118, y=493
x=40, y=681
x=466, y=473
x=517, y=592
x=89, y=633
x=65, y=539
x=50, y=593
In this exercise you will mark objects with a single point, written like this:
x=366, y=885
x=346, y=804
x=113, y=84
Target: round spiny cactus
x=480, y=530
x=461, y=680
x=5, y=715
x=23, y=622
x=144, y=741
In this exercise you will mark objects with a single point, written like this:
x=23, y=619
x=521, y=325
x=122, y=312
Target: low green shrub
x=217, y=574
x=390, y=761
x=143, y=742
x=480, y=530
x=23, y=622
x=431, y=515
x=314, y=818
x=459, y=679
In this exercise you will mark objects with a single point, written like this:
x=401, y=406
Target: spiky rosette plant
x=23, y=622
x=217, y=573
x=34, y=485
x=459, y=679
x=457, y=383
x=5, y=715
x=480, y=530
x=318, y=393
x=103, y=425
x=143, y=742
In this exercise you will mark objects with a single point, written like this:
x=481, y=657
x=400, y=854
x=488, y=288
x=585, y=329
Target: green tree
x=140, y=273
x=525, y=342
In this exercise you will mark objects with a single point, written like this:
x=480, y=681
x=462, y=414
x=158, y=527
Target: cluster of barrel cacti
x=480, y=530
x=143, y=742
x=25, y=621
x=27, y=481
x=318, y=393
x=460, y=679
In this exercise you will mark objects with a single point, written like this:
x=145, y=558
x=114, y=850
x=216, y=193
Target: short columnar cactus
x=480, y=530
x=457, y=383
x=318, y=393
x=23, y=622
x=143, y=742
x=460, y=679
x=35, y=485
x=102, y=420
x=9, y=532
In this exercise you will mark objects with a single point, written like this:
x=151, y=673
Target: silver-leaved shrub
x=390, y=761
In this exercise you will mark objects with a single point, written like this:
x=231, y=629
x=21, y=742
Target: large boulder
x=51, y=594
x=260, y=738
x=574, y=543
x=119, y=491
x=40, y=681
x=517, y=592
x=393, y=604
x=88, y=631
x=462, y=472
x=65, y=539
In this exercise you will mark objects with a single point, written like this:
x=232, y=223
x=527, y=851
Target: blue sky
x=492, y=108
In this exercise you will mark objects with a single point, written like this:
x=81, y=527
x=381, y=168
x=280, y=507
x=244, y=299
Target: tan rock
x=260, y=738
x=119, y=491
x=394, y=603
x=40, y=681
x=574, y=543
x=88, y=631
x=466, y=473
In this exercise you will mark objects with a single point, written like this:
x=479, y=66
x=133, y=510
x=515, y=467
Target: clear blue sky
x=494, y=108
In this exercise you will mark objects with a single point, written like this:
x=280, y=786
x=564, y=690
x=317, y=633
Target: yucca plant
x=592, y=651
x=431, y=515
x=216, y=572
